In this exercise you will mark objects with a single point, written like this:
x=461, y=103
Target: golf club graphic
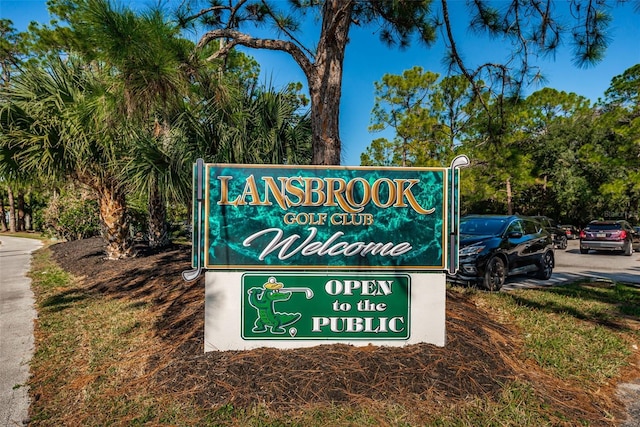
x=273, y=283
x=308, y=293
x=193, y=274
x=457, y=163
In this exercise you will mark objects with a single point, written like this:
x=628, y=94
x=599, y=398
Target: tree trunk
x=325, y=82
x=158, y=231
x=20, y=224
x=115, y=226
x=12, y=210
x=3, y=215
x=509, y=197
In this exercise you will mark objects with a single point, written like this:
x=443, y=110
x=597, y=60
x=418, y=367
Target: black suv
x=558, y=234
x=493, y=247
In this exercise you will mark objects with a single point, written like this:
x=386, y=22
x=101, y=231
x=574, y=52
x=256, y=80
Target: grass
x=84, y=347
x=93, y=354
x=25, y=234
x=577, y=332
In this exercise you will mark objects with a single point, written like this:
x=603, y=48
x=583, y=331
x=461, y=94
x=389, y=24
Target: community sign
x=307, y=253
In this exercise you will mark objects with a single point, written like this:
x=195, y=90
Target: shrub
x=71, y=216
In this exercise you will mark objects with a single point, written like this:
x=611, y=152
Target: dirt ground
x=480, y=355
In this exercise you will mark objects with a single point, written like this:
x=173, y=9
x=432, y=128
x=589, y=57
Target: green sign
x=323, y=307
x=324, y=218
x=309, y=218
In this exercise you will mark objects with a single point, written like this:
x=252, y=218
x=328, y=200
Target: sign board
x=303, y=254
x=308, y=306
x=251, y=217
x=409, y=308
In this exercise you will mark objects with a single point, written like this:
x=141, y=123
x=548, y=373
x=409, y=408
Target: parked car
x=611, y=235
x=558, y=234
x=571, y=231
x=493, y=247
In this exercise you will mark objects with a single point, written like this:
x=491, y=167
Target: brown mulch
x=481, y=355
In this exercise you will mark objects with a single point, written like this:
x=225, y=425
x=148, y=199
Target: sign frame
x=202, y=208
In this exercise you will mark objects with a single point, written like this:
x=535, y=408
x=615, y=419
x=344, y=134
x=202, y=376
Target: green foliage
x=549, y=154
x=71, y=216
x=12, y=50
x=135, y=103
x=427, y=119
x=112, y=115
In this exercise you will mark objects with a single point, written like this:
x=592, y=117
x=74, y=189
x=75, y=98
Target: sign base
x=284, y=309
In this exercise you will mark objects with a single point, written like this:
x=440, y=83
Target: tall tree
x=3, y=214
x=402, y=103
x=546, y=124
x=11, y=54
x=619, y=120
x=156, y=71
x=427, y=118
x=152, y=67
x=322, y=65
x=11, y=50
x=502, y=170
x=151, y=62
x=530, y=26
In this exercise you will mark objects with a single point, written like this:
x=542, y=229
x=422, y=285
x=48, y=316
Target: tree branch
x=455, y=55
x=285, y=30
x=239, y=38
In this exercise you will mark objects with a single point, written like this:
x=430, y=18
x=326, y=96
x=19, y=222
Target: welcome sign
x=313, y=217
x=298, y=254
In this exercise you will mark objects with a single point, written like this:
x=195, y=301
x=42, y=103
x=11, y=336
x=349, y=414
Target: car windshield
x=604, y=227
x=482, y=226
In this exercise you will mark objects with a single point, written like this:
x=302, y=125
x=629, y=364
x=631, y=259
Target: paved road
x=571, y=265
x=17, y=313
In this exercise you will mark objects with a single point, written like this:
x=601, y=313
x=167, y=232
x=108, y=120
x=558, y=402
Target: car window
x=482, y=226
x=604, y=227
x=531, y=227
x=544, y=221
x=516, y=227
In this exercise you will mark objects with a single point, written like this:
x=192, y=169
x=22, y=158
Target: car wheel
x=563, y=243
x=628, y=249
x=584, y=251
x=545, y=267
x=495, y=274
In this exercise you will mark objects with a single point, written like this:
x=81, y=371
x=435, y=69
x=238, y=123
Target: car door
x=515, y=244
x=538, y=241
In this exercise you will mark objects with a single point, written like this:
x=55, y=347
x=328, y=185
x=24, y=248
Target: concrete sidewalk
x=17, y=313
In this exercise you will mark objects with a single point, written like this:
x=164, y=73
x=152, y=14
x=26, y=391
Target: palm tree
x=58, y=124
x=11, y=53
x=146, y=54
x=245, y=124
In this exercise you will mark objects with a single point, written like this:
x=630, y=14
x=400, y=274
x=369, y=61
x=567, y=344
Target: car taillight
x=623, y=235
x=583, y=234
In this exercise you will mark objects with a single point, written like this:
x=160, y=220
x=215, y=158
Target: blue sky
x=367, y=60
